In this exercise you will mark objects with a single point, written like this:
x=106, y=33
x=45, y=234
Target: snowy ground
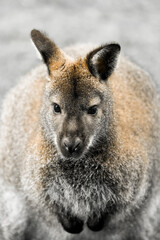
x=134, y=24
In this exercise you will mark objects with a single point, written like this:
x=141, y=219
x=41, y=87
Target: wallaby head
x=77, y=106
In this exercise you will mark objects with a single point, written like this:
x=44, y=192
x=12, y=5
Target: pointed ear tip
x=113, y=46
x=33, y=30
x=34, y=33
x=117, y=46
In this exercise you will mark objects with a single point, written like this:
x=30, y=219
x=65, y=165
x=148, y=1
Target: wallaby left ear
x=102, y=61
x=51, y=54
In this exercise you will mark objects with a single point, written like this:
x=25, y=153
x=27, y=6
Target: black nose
x=72, y=145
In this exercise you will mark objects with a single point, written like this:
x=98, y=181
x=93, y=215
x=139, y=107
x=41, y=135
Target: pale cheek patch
x=95, y=101
x=90, y=141
x=57, y=146
x=55, y=139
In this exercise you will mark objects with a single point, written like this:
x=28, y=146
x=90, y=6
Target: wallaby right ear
x=51, y=54
x=102, y=61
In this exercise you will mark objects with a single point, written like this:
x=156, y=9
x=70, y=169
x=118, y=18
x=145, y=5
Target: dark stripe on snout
x=75, y=91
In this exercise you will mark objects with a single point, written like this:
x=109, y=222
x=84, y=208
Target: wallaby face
x=76, y=106
x=75, y=114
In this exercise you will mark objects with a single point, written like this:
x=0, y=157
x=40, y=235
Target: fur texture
x=113, y=186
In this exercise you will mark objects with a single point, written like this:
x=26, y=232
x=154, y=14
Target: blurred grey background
x=134, y=24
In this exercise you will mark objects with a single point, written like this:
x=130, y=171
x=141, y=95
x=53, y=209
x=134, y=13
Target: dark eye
x=56, y=108
x=92, y=110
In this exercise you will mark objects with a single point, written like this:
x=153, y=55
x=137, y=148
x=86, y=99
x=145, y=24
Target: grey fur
x=32, y=185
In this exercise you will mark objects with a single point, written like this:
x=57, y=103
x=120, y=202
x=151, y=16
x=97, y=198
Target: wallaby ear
x=50, y=53
x=102, y=61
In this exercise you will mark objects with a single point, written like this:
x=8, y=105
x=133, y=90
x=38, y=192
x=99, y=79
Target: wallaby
x=80, y=148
